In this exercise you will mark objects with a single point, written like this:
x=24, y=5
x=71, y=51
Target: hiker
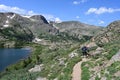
x=84, y=51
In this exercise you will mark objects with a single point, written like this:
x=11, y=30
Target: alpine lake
x=12, y=56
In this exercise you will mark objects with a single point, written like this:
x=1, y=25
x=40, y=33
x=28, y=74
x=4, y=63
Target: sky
x=94, y=12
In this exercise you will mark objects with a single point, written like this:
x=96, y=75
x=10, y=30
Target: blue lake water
x=11, y=56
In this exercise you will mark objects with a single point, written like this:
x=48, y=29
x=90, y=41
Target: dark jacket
x=84, y=49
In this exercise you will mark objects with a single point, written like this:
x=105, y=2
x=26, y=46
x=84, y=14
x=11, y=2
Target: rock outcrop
x=110, y=34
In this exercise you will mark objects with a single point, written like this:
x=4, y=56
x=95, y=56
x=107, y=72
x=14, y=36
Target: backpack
x=84, y=49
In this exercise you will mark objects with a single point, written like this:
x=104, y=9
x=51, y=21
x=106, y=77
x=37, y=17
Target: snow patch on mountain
x=11, y=17
x=7, y=21
x=26, y=16
x=6, y=25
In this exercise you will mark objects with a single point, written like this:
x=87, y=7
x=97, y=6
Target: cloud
x=50, y=17
x=77, y=17
x=101, y=10
x=31, y=13
x=78, y=2
x=4, y=8
x=58, y=20
x=101, y=22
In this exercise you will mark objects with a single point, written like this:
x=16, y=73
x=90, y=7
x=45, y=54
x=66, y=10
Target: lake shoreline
x=23, y=58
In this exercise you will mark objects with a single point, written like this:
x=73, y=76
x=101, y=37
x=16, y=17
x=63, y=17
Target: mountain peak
x=114, y=26
x=39, y=18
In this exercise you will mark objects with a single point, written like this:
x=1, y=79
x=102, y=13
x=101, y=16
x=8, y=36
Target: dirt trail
x=76, y=75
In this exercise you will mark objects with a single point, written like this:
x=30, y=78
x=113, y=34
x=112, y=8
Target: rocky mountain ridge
x=110, y=34
x=36, y=23
x=77, y=29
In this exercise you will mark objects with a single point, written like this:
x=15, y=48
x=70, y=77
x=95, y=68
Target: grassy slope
x=100, y=61
x=42, y=54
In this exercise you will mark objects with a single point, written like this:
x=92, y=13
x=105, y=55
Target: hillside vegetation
x=56, y=49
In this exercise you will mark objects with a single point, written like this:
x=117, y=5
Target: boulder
x=37, y=68
x=62, y=61
x=40, y=78
x=116, y=57
x=71, y=55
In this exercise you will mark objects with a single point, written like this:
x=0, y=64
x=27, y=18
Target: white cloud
x=52, y=18
x=48, y=16
x=101, y=10
x=101, y=22
x=78, y=2
x=4, y=8
x=58, y=20
x=31, y=13
x=77, y=17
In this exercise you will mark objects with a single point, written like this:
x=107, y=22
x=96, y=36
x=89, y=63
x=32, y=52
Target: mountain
x=17, y=28
x=11, y=29
x=37, y=23
x=77, y=29
x=110, y=34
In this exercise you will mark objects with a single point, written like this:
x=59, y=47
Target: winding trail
x=76, y=74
